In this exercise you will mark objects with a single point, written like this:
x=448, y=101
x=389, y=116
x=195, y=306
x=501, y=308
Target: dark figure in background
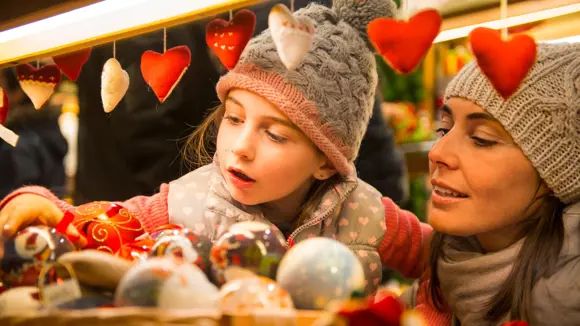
x=134, y=149
x=38, y=158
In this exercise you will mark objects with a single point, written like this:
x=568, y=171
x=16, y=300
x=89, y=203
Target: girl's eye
x=441, y=132
x=232, y=119
x=480, y=142
x=276, y=138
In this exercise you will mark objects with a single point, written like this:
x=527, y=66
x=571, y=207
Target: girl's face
x=263, y=156
x=483, y=184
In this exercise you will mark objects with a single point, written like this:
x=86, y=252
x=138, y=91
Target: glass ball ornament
x=166, y=229
x=28, y=251
x=107, y=226
x=318, y=271
x=249, y=294
x=247, y=248
x=137, y=250
x=183, y=243
x=166, y=282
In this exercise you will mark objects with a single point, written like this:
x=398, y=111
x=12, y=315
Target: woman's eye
x=483, y=142
x=276, y=138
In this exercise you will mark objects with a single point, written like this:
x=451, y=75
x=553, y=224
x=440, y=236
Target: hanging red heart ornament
x=6, y=134
x=162, y=72
x=4, y=106
x=505, y=63
x=38, y=84
x=72, y=63
x=228, y=39
x=403, y=44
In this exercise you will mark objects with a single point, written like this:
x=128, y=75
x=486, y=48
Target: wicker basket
x=151, y=317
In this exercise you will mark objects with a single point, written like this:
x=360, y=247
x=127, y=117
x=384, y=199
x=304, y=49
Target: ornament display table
x=139, y=317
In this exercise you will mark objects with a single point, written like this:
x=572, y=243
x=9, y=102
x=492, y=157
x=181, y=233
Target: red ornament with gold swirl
x=107, y=226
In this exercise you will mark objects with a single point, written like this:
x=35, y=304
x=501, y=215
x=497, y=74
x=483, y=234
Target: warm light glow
x=571, y=39
x=101, y=22
x=460, y=32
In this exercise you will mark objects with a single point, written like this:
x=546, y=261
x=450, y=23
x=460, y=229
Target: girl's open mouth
x=241, y=175
x=239, y=179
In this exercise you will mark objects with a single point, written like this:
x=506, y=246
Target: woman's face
x=482, y=182
x=263, y=156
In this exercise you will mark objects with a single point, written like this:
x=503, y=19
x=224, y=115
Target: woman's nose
x=444, y=152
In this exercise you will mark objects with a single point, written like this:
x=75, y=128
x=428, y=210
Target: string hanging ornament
x=114, y=82
x=71, y=64
x=293, y=35
x=38, y=83
x=6, y=134
x=503, y=59
x=163, y=71
x=403, y=43
x=228, y=39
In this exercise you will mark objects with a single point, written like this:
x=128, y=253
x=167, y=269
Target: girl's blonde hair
x=201, y=145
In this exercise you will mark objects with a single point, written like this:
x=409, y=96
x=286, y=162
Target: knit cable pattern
x=338, y=75
x=543, y=116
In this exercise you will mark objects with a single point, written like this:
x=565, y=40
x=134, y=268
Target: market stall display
x=247, y=246
x=248, y=274
x=27, y=253
x=166, y=275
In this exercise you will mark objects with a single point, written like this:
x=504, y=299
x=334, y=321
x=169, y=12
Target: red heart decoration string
x=403, y=44
x=505, y=63
x=227, y=39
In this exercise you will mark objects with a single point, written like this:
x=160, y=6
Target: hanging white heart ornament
x=292, y=35
x=114, y=84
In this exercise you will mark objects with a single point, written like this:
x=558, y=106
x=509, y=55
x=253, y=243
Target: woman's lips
x=442, y=199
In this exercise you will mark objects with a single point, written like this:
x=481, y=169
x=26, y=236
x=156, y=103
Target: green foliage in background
x=400, y=88
x=404, y=88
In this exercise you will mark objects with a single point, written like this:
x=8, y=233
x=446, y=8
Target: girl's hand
x=29, y=209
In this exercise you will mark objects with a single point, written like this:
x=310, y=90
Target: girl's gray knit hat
x=330, y=94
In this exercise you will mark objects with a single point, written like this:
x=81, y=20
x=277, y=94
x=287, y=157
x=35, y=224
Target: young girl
x=504, y=207
x=286, y=143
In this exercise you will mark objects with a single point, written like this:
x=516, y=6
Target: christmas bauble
x=183, y=243
x=19, y=300
x=107, y=226
x=247, y=248
x=174, y=246
x=28, y=251
x=246, y=295
x=317, y=271
x=136, y=250
x=166, y=282
x=166, y=229
x=202, y=246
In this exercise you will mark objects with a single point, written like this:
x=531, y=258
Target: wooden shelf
x=102, y=23
x=516, y=9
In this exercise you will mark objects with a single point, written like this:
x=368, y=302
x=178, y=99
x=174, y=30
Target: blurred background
x=81, y=141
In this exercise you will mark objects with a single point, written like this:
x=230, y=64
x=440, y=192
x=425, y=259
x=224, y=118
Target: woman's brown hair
x=202, y=143
x=537, y=258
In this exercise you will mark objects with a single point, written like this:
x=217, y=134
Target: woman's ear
x=325, y=171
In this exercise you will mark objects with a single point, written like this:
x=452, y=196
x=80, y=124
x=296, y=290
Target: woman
x=504, y=206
